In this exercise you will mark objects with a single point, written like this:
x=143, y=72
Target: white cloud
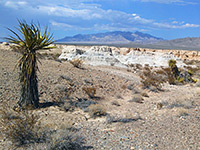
x=62, y=25
x=175, y=22
x=16, y=4
x=134, y=15
x=169, y=26
x=168, y=1
x=66, y=26
x=91, y=16
x=64, y=12
x=187, y=25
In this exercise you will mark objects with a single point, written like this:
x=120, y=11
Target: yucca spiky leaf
x=29, y=40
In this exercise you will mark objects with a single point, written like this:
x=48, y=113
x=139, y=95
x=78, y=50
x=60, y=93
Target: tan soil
x=147, y=126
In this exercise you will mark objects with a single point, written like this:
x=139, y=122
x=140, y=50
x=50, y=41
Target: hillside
x=181, y=43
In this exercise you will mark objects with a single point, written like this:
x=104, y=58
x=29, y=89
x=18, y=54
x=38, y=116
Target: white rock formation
x=150, y=58
x=104, y=55
x=70, y=52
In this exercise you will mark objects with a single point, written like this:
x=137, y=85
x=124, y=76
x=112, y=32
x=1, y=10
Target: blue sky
x=168, y=19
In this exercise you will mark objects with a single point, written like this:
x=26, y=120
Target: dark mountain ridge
x=112, y=37
x=129, y=39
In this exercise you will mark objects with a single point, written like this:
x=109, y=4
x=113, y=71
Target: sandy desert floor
x=134, y=119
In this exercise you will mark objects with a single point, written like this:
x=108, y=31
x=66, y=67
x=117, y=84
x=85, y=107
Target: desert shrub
x=62, y=92
x=20, y=127
x=159, y=105
x=171, y=62
x=96, y=110
x=169, y=75
x=124, y=86
x=181, y=76
x=191, y=62
x=138, y=66
x=67, y=143
x=151, y=79
x=174, y=68
x=90, y=91
x=77, y=63
x=113, y=119
x=192, y=70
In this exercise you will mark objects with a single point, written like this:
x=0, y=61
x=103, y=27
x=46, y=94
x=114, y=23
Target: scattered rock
x=83, y=103
x=66, y=78
x=5, y=43
x=144, y=94
x=197, y=84
x=87, y=81
x=116, y=103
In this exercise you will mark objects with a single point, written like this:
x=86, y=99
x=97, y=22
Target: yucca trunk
x=29, y=41
x=29, y=83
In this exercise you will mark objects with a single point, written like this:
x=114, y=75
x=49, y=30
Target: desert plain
x=103, y=103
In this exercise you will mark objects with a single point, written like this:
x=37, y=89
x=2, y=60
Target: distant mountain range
x=136, y=39
x=116, y=37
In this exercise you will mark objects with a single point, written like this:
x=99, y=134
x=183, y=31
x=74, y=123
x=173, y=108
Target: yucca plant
x=29, y=39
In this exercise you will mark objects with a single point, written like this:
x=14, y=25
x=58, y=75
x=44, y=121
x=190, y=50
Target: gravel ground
x=128, y=126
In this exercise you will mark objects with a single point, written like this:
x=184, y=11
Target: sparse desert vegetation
x=100, y=107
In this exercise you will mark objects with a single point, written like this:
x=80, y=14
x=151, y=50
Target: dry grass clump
x=90, y=91
x=61, y=92
x=187, y=104
x=137, y=98
x=65, y=140
x=168, y=75
x=159, y=105
x=66, y=143
x=20, y=127
x=192, y=70
x=96, y=110
x=182, y=112
x=128, y=118
x=77, y=63
x=151, y=79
